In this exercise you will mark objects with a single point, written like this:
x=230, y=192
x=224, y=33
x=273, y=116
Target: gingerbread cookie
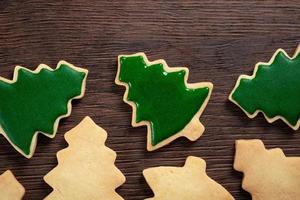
x=268, y=174
x=86, y=167
x=10, y=188
x=34, y=102
x=188, y=182
x=162, y=99
x=273, y=89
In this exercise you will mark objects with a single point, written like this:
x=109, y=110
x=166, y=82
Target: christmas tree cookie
x=10, y=188
x=273, y=89
x=34, y=102
x=268, y=174
x=162, y=99
x=188, y=182
x=86, y=167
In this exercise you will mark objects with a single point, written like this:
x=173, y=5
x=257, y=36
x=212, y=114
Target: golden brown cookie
x=189, y=182
x=268, y=174
x=86, y=167
x=10, y=188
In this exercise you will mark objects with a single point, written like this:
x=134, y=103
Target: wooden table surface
x=217, y=40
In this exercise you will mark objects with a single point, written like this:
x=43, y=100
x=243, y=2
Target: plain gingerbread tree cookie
x=162, y=99
x=188, y=182
x=268, y=174
x=86, y=167
x=10, y=188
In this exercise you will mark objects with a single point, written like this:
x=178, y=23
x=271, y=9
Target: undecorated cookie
x=162, y=99
x=273, y=89
x=34, y=102
x=10, y=188
x=86, y=167
x=268, y=174
x=189, y=182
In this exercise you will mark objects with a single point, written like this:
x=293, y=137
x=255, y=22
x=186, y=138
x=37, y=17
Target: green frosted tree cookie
x=273, y=89
x=162, y=99
x=34, y=102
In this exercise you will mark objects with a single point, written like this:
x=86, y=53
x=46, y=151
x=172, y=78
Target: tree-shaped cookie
x=86, y=167
x=273, y=89
x=188, y=182
x=162, y=99
x=34, y=102
x=268, y=174
x=10, y=188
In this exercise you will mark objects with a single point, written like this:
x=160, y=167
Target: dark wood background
x=217, y=40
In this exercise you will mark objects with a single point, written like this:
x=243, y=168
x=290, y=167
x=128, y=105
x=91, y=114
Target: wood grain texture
x=217, y=40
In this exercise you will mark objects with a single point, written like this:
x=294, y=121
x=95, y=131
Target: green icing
x=275, y=89
x=35, y=101
x=161, y=97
